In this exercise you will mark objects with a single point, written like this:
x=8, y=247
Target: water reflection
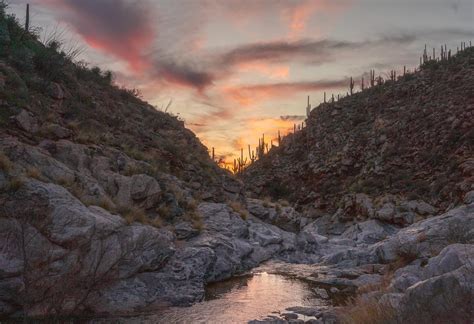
x=241, y=299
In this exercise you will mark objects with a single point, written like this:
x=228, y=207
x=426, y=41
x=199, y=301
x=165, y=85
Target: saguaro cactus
x=308, y=108
x=372, y=78
x=393, y=75
x=27, y=18
x=351, y=87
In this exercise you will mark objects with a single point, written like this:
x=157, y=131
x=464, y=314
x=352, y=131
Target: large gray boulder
x=428, y=237
x=26, y=121
x=445, y=289
x=369, y=232
x=59, y=252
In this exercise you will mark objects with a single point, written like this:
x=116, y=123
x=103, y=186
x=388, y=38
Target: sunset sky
x=233, y=67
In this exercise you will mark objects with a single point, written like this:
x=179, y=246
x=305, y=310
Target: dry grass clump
x=135, y=154
x=34, y=173
x=103, y=202
x=197, y=221
x=156, y=222
x=73, y=125
x=87, y=136
x=367, y=311
x=15, y=184
x=133, y=214
x=164, y=211
x=284, y=203
x=239, y=209
x=5, y=163
x=267, y=202
x=132, y=169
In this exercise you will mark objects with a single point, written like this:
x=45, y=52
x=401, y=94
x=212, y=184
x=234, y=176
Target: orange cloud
x=117, y=27
x=249, y=95
x=298, y=16
x=272, y=71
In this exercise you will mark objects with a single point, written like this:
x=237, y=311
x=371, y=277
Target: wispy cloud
x=248, y=95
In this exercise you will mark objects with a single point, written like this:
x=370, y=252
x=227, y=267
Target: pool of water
x=241, y=299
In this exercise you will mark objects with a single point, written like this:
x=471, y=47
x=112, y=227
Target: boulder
x=469, y=197
x=57, y=131
x=145, y=189
x=309, y=239
x=185, y=230
x=70, y=245
x=428, y=237
x=447, y=293
x=26, y=121
x=420, y=207
x=55, y=91
x=286, y=218
x=369, y=232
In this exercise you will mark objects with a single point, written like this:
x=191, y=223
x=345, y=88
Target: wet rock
x=306, y=311
x=289, y=316
x=269, y=321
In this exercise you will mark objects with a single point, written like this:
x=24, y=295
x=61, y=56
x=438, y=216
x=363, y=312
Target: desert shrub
x=368, y=311
x=15, y=184
x=134, y=153
x=133, y=214
x=103, y=202
x=34, y=173
x=278, y=190
x=164, y=211
x=5, y=163
x=156, y=222
x=22, y=58
x=196, y=220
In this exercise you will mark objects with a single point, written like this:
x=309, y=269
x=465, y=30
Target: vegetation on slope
x=46, y=96
x=412, y=137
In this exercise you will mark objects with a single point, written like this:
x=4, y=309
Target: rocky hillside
x=405, y=140
x=68, y=124
x=96, y=186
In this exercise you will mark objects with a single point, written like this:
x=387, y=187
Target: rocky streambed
x=90, y=261
x=63, y=253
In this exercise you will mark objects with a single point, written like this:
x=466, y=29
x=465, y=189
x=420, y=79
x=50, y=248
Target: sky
x=236, y=69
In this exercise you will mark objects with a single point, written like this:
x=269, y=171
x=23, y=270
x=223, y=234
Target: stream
x=240, y=299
